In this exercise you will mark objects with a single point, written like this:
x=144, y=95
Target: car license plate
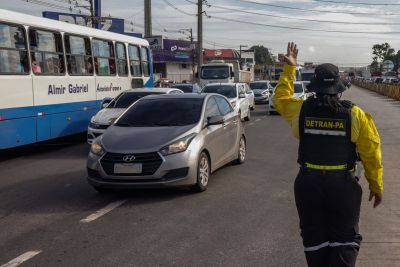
x=133, y=168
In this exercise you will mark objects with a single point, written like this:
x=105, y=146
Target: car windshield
x=226, y=90
x=162, y=112
x=307, y=76
x=258, y=85
x=124, y=100
x=215, y=72
x=186, y=88
x=298, y=88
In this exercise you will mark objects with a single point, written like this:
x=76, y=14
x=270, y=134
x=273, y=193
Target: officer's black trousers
x=328, y=203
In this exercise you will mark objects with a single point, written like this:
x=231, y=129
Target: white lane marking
x=103, y=211
x=258, y=120
x=251, y=123
x=20, y=259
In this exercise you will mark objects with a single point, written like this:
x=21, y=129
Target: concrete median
x=392, y=91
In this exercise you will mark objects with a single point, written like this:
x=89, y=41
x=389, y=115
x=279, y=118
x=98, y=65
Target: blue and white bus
x=54, y=75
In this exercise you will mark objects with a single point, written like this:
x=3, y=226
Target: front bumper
x=261, y=99
x=174, y=171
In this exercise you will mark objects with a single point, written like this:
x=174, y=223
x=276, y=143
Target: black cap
x=326, y=80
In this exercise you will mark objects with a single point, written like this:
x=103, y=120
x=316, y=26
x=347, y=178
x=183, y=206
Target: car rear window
x=124, y=100
x=226, y=90
x=163, y=112
x=186, y=88
x=258, y=85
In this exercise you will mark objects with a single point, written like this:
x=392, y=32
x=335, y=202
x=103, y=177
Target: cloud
x=311, y=49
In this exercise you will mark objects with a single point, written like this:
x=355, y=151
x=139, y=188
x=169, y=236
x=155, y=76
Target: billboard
x=175, y=51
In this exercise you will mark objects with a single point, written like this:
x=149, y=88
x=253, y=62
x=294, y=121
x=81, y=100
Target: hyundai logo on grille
x=129, y=158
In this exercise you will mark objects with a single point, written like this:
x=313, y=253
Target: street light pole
x=240, y=53
x=193, y=51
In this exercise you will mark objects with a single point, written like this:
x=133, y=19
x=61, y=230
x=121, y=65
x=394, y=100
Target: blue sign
x=108, y=24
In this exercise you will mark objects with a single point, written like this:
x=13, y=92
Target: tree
x=262, y=55
x=381, y=52
x=264, y=61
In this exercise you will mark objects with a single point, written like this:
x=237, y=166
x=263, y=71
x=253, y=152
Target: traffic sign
x=387, y=65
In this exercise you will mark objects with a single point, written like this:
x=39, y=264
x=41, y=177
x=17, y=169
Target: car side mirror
x=215, y=120
x=105, y=102
x=242, y=95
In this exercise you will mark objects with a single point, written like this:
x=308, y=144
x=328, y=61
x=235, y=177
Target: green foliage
x=262, y=55
x=382, y=52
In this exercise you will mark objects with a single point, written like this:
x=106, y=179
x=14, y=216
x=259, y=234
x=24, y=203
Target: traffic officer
x=333, y=134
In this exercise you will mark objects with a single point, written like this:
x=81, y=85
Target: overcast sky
x=316, y=46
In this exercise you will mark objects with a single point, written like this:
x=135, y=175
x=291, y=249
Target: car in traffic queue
x=300, y=91
x=167, y=141
x=188, y=87
x=262, y=91
x=112, y=109
x=250, y=96
x=236, y=93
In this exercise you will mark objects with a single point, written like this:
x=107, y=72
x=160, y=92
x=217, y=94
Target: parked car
x=112, y=110
x=236, y=93
x=300, y=91
x=188, y=87
x=262, y=91
x=250, y=96
x=165, y=141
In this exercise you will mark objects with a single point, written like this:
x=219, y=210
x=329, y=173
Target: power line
x=296, y=28
x=357, y=3
x=317, y=10
x=178, y=9
x=301, y=19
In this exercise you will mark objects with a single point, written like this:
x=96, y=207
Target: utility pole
x=193, y=52
x=147, y=19
x=192, y=46
x=200, y=34
x=92, y=14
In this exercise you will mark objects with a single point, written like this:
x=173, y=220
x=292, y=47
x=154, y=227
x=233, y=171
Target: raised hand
x=291, y=56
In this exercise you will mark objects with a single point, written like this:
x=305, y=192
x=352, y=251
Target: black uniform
x=328, y=196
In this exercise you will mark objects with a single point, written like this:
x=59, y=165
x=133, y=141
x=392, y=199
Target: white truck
x=307, y=71
x=219, y=71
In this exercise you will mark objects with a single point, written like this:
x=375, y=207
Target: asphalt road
x=49, y=216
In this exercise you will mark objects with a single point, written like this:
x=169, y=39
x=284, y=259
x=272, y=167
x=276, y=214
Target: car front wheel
x=248, y=117
x=241, y=151
x=203, y=173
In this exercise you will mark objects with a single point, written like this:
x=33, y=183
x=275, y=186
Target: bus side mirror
x=232, y=74
x=196, y=75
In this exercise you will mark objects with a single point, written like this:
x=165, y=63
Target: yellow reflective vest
x=363, y=131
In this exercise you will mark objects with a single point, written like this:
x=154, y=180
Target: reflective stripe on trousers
x=329, y=244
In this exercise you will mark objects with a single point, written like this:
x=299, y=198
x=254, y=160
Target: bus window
x=47, y=52
x=104, y=59
x=13, y=50
x=145, y=61
x=79, y=55
x=134, y=61
x=121, y=59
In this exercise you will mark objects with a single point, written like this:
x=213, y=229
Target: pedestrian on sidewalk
x=332, y=133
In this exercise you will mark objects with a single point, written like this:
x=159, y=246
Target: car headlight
x=178, y=146
x=97, y=149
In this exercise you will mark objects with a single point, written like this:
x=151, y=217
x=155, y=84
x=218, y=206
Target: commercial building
x=173, y=59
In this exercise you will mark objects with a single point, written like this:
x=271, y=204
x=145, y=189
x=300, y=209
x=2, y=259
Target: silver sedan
x=167, y=140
